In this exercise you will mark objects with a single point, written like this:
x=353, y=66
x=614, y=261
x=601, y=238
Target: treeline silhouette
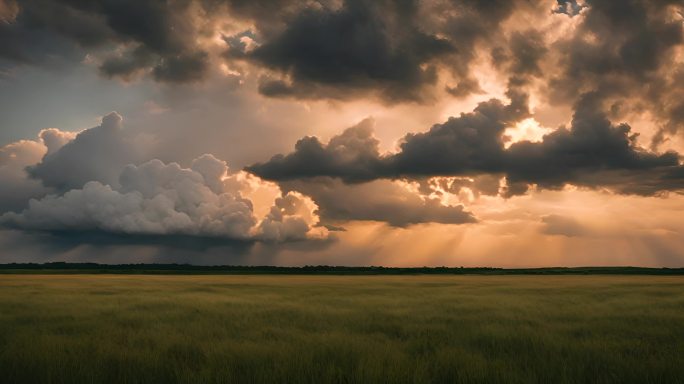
x=63, y=267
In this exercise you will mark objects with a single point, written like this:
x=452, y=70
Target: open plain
x=341, y=329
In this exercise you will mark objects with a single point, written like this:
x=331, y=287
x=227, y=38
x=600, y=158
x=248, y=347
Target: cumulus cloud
x=291, y=218
x=352, y=155
x=391, y=49
x=613, y=69
x=17, y=188
x=469, y=142
x=360, y=46
x=155, y=198
x=54, y=139
x=96, y=154
x=629, y=52
x=16, y=157
x=104, y=191
x=591, y=144
x=473, y=144
x=396, y=203
x=397, y=50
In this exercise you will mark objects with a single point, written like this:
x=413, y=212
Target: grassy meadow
x=341, y=329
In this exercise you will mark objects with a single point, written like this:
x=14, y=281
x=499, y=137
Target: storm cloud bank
x=474, y=126
x=592, y=152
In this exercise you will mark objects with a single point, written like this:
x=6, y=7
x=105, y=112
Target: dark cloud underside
x=141, y=35
x=473, y=144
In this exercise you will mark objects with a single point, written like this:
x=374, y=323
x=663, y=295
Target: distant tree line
x=63, y=267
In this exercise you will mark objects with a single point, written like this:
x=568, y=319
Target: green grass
x=341, y=329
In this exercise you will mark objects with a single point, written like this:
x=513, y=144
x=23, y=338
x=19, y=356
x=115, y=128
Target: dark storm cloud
x=396, y=49
x=521, y=57
x=160, y=33
x=41, y=30
x=127, y=65
x=473, y=144
x=20, y=44
x=183, y=68
x=624, y=50
x=362, y=45
x=467, y=24
x=470, y=143
x=616, y=43
x=591, y=144
x=65, y=240
x=353, y=156
x=94, y=246
x=391, y=48
x=465, y=88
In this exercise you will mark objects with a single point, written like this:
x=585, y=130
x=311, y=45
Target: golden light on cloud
x=525, y=130
x=393, y=128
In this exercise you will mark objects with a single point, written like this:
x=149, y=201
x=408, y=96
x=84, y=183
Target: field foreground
x=341, y=329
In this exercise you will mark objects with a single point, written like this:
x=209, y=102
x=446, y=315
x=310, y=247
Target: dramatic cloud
x=393, y=202
x=90, y=183
x=14, y=160
x=476, y=128
x=150, y=36
x=627, y=51
x=470, y=143
x=362, y=45
x=17, y=187
x=473, y=144
x=522, y=57
x=322, y=49
x=392, y=49
x=96, y=154
x=165, y=199
x=352, y=155
x=592, y=144
x=291, y=218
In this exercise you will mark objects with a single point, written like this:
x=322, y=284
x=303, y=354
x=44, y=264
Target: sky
x=503, y=133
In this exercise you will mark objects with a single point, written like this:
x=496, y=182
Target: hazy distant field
x=347, y=329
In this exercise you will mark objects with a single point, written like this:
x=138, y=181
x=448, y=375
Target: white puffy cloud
x=155, y=198
x=95, y=154
x=88, y=181
x=17, y=187
x=54, y=139
x=292, y=217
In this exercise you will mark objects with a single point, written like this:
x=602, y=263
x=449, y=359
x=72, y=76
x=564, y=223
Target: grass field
x=341, y=329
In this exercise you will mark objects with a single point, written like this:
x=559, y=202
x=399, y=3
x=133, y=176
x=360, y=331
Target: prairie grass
x=341, y=329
